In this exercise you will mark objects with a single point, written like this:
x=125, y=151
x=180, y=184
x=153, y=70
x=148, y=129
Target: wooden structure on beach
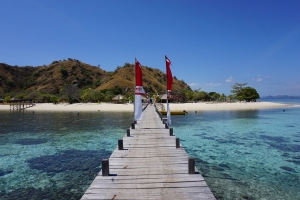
x=19, y=105
x=149, y=163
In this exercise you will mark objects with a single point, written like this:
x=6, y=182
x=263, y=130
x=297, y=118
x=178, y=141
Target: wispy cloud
x=193, y=84
x=229, y=80
x=212, y=84
x=258, y=78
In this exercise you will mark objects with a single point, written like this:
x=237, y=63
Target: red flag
x=139, y=91
x=138, y=74
x=169, y=75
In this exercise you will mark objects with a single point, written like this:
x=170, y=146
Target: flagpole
x=169, y=73
x=134, y=89
x=167, y=94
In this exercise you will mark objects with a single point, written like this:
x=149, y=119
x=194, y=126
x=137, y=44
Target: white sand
x=109, y=107
x=205, y=106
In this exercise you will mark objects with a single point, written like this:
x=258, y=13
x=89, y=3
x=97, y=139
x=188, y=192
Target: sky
x=212, y=44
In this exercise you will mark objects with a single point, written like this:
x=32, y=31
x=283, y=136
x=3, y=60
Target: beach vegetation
x=131, y=98
x=201, y=96
x=214, y=96
x=7, y=99
x=70, y=93
x=240, y=92
x=20, y=96
x=248, y=94
x=237, y=87
x=54, y=99
x=222, y=97
x=230, y=97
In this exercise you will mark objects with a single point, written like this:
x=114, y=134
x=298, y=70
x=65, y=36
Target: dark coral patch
x=274, y=138
x=224, y=166
x=74, y=160
x=289, y=169
x=217, y=168
x=284, y=147
x=4, y=172
x=38, y=193
x=31, y=141
x=294, y=161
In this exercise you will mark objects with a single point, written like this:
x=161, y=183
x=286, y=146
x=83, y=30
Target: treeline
x=73, y=94
x=239, y=92
x=70, y=94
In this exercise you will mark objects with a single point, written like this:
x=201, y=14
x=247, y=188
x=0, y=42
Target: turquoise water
x=245, y=154
x=241, y=154
x=55, y=155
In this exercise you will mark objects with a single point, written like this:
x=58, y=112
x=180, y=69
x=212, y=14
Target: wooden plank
x=149, y=167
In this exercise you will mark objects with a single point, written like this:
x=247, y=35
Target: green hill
x=53, y=78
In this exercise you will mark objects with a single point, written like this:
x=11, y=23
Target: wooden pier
x=149, y=163
x=19, y=105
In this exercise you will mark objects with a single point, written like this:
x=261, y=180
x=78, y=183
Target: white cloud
x=213, y=84
x=258, y=78
x=229, y=80
x=193, y=84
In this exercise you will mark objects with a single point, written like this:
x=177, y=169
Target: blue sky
x=211, y=44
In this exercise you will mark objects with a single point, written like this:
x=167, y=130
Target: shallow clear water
x=55, y=155
x=245, y=154
x=241, y=154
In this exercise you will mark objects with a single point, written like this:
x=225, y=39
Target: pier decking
x=149, y=167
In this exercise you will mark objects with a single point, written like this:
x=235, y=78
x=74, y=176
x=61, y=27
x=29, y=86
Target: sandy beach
x=110, y=107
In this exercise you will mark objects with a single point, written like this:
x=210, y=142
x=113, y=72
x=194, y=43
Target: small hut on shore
x=119, y=99
x=163, y=98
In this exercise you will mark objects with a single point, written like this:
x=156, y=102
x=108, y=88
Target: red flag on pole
x=169, y=76
x=138, y=73
x=169, y=87
x=138, y=78
x=139, y=91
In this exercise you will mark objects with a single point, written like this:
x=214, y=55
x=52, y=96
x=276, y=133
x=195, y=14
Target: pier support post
x=120, y=144
x=105, y=167
x=191, y=164
x=166, y=126
x=135, y=122
x=132, y=125
x=171, y=131
x=177, y=143
x=128, y=132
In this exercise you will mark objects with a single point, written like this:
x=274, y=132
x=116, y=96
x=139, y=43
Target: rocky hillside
x=54, y=77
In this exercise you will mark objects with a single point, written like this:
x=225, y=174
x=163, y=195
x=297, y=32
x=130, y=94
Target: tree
x=237, y=87
x=64, y=72
x=131, y=98
x=216, y=96
x=7, y=99
x=54, y=99
x=87, y=95
x=71, y=92
x=248, y=94
x=189, y=95
x=201, y=96
x=223, y=97
x=231, y=97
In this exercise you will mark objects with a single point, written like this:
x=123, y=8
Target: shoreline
x=111, y=107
